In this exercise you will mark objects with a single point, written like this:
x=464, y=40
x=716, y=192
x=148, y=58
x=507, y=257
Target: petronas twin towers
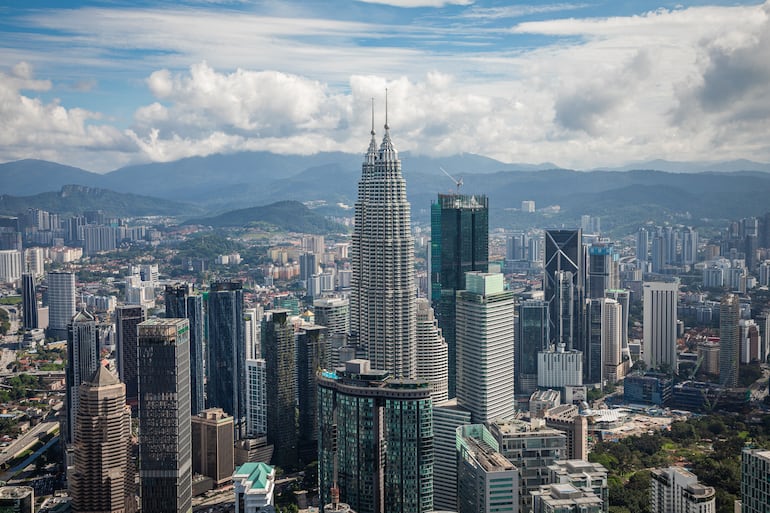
x=384, y=295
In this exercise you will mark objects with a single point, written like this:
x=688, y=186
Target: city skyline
x=109, y=85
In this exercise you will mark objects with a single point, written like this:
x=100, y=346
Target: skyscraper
x=127, y=318
x=82, y=362
x=485, y=352
x=256, y=398
x=312, y=355
x=181, y=303
x=755, y=474
x=212, y=445
x=383, y=291
x=659, y=324
x=602, y=270
x=281, y=390
x=226, y=354
x=28, y=301
x=61, y=302
x=376, y=440
x=459, y=243
x=531, y=337
x=431, y=352
x=564, y=254
x=729, y=340
x=165, y=440
x=604, y=318
x=103, y=476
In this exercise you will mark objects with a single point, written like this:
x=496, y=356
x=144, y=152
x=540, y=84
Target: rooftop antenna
x=386, y=109
x=372, y=115
x=458, y=183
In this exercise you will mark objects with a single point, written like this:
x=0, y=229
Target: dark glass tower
x=127, y=318
x=82, y=362
x=564, y=254
x=182, y=304
x=28, y=301
x=280, y=365
x=165, y=439
x=532, y=335
x=313, y=353
x=459, y=243
x=226, y=356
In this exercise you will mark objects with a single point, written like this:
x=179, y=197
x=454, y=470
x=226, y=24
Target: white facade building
x=10, y=265
x=254, y=485
x=256, y=397
x=61, y=302
x=676, y=490
x=559, y=369
x=659, y=304
x=431, y=352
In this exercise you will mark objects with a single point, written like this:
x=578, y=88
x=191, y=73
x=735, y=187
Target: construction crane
x=458, y=183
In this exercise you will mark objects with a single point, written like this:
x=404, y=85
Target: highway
x=27, y=440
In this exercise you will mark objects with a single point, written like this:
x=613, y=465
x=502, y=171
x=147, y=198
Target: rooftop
x=257, y=473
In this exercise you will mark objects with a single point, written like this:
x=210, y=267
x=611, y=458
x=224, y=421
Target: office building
x=567, y=419
x=256, y=398
x=383, y=291
x=676, y=490
x=604, y=362
x=127, y=318
x=82, y=361
x=212, y=445
x=564, y=286
x=431, y=352
x=61, y=303
x=528, y=206
x=486, y=481
x=447, y=417
x=10, y=265
x=559, y=368
x=102, y=478
x=650, y=388
x=603, y=271
x=281, y=386
x=165, y=445
x=532, y=448
x=531, y=337
x=565, y=498
x=583, y=475
x=28, y=302
x=181, y=303
x=755, y=473
x=376, y=438
x=459, y=244
x=750, y=341
x=34, y=262
x=485, y=352
x=226, y=352
x=623, y=297
x=729, y=340
x=660, y=301
x=18, y=499
x=312, y=355
x=334, y=313
x=254, y=487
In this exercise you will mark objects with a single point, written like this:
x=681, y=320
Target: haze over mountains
x=221, y=183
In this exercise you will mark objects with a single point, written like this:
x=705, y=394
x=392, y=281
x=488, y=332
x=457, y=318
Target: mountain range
x=221, y=183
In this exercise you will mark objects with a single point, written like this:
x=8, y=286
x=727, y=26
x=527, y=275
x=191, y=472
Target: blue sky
x=582, y=84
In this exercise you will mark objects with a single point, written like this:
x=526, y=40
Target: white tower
x=660, y=302
x=431, y=352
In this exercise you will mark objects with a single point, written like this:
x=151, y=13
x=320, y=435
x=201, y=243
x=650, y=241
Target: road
x=27, y=440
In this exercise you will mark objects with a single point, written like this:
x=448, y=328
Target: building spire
x=372, y=132
x=386, y=109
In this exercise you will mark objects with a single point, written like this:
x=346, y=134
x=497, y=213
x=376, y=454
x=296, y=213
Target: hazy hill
x=26, y=177
x=290, y=216
x=74, y=199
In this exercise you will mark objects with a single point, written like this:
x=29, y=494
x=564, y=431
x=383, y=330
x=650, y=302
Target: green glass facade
x=378, y=434
x=459, y=243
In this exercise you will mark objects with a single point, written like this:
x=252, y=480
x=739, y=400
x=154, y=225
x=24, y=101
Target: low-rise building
x=254, y=485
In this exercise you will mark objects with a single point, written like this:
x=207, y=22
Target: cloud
x=517, y=11
x=418, y=3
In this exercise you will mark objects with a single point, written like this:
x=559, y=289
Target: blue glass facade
x=181, y=304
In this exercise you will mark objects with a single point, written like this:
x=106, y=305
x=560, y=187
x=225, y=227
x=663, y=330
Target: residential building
x=459, y=244
x=565, y=498
x=19, y=499
x=583, y=475
x=676, y=490
x=755, y=473
x=10, y=265
x=729, y=340
x=447, y=417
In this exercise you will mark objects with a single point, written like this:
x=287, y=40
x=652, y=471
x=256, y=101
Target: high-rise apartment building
x=226, y=352
x=383, y=290
x=459, y=244
x=642, y=246
x=102, y=478
x=447, y=417
x=531, y=337
x=564, y=276
x=61, y=303
x=82, y=362
x=212, y=445
x=127, y=318
x=165, y=440
x=278, y=346
x=676, y=490
x=485, y=352
x=252, y=318
x=755, y=474
x=659, y=324
x=431, y=352
x=10, y=265
x=604, y=333
x=181, y=303
x=28, y=301
x=376, y=440
x=729, y=340
x=312, y=355
x=256, y=397
x=623, y=297
x=486, y=481
x=334, y=313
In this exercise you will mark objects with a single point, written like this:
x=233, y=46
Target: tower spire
x=386, y=109
x=372, y=116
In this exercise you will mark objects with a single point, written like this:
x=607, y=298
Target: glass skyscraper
x=459, y=243
x=531, y=336
x=564, y=253
x=376, y=440
x=226, y=355
x=127, y=318
x=182, y=304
